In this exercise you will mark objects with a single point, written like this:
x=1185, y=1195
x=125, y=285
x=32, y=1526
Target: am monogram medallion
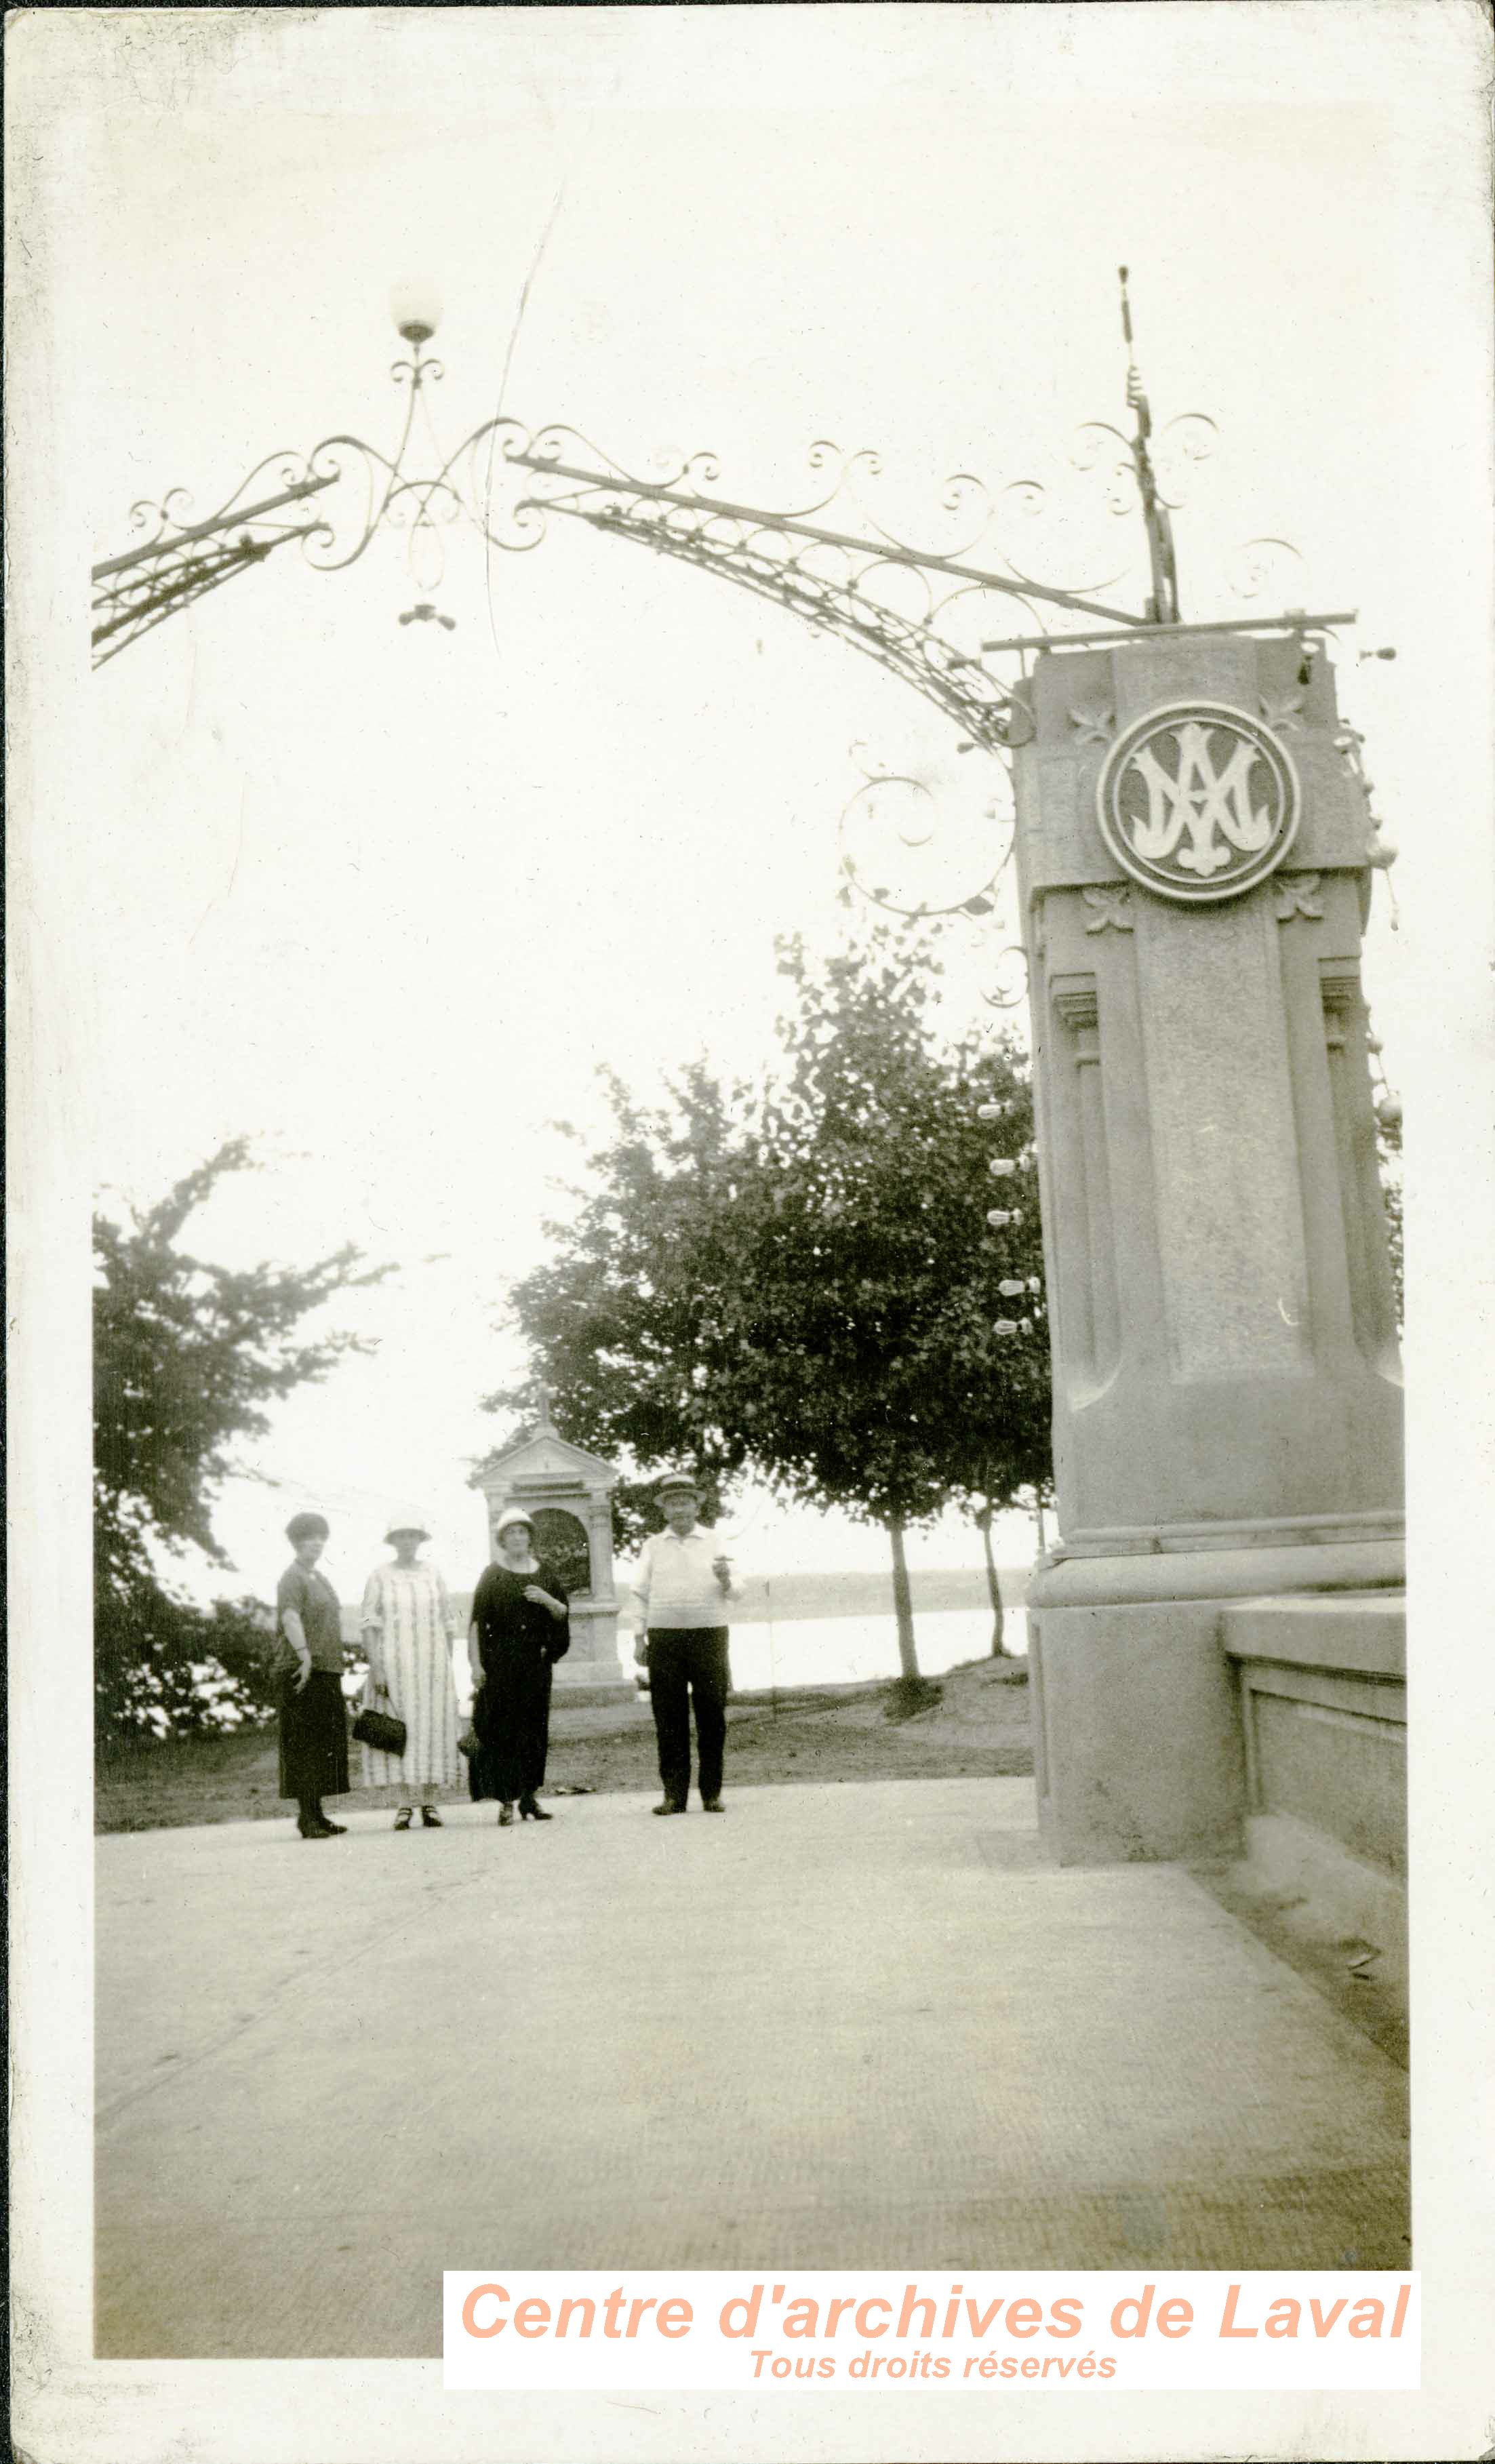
x=1197, y=802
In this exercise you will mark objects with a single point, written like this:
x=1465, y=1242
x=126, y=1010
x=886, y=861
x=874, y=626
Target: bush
x=908, y=1696
x=198, y=1699
x=181, y=1671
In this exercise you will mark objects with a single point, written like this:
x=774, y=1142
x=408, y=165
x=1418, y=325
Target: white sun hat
x=407, y=1520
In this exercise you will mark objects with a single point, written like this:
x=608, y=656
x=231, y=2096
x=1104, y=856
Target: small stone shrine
x=569, y=1493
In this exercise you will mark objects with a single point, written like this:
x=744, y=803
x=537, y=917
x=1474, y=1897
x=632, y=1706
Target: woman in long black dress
x=520, y=1627
x=308, y=1671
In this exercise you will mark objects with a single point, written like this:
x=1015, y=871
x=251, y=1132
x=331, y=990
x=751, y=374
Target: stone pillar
x=1191, y=859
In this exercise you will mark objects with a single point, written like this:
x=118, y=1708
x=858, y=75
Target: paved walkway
x=845, y=2026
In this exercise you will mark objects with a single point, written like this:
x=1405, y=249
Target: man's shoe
x=336, y=1829
x=668, y=1806
x=712, y=1805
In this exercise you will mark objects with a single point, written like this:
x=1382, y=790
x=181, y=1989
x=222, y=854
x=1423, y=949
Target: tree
x=984, y=1510
x=186, y=1355
x=799, y=1277
x=613, y=1321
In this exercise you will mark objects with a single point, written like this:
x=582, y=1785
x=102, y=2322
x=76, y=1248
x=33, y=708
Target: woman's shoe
x=529, y=1812
x=505, y=1817
x=401, y=1820
x=430, y=1819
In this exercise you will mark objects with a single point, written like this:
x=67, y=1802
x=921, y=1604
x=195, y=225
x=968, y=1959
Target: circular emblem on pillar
x=1197, y=800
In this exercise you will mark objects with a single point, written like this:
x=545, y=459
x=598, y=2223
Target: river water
x=849, y=1650
x=838, y=1650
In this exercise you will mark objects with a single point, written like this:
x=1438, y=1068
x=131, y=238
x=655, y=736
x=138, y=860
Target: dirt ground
x=979, y=1728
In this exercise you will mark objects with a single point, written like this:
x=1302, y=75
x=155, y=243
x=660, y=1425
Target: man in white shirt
x=681, y=1586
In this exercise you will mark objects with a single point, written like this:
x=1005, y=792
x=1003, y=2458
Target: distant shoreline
x=786, y=1599
x=774, y=1599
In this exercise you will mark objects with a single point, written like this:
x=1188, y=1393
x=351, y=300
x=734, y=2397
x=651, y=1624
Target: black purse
x=381, y=1731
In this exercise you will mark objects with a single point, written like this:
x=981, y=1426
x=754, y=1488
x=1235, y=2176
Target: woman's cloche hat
x=512, y=1514
x=307, y=1526
x=406, y=1522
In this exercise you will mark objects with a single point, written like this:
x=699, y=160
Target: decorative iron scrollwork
x=1269, y=568
x=914, y=851
x=921, y=611
x=1010, y=983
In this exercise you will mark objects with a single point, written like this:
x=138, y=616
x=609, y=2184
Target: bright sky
x=385, y=898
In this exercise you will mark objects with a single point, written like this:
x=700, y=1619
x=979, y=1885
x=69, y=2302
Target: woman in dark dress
x=520, y=1627
x=308, y=1670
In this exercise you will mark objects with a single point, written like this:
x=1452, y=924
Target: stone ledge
x=1225, y=1574
x=1354, y=1634
x=1188, y=1539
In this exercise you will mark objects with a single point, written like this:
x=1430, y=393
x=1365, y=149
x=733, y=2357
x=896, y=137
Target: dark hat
x=302, y=1527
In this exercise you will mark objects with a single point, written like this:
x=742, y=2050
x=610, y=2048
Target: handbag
x=381, y=1731
x=468, y=1743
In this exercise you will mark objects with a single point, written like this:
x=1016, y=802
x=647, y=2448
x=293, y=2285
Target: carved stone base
x=1138, y=1742
x=593, y=1662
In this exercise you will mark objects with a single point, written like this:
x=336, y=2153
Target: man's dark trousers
x=689, y=1664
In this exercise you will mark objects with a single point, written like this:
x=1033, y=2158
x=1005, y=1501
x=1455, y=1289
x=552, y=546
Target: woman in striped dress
x=407, y=1629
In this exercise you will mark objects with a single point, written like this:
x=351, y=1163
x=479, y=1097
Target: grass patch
x=162, y=1785
x=973, y=1724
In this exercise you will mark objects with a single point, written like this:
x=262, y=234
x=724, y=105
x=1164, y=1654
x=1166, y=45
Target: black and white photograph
x=751, y=1164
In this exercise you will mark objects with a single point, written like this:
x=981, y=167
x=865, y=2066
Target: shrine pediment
x=544, y=1455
